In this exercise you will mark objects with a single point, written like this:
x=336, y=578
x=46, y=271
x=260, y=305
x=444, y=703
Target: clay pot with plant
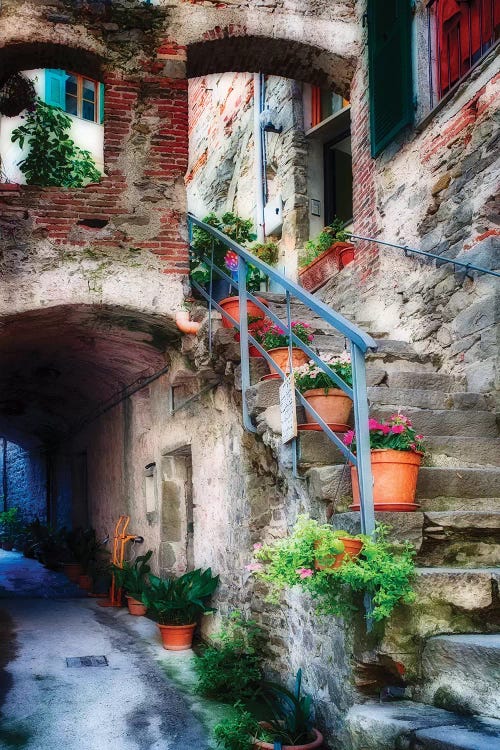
x=396, y=452
x=176, y=605
x=275, y=340
x=320, y=390
x=132, y=579
x=324, y=256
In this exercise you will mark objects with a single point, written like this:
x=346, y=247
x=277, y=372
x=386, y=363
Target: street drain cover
x=86, y=661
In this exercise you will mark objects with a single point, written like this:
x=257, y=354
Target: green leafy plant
x=267, y=252
x=237, y=732
x=53, y=158
x=230, y=668
x=180, y=601
x=10, y=525
x=397, y=434
x=334, y=232
x=382, y=569
x=273, y=336
x=291, y=719
x=132, y=576
x=310, y=376
x=84, y=548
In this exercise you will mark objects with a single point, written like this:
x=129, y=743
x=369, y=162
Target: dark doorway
x=338, y=179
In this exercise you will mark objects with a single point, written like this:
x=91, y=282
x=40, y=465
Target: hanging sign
x=288, y=409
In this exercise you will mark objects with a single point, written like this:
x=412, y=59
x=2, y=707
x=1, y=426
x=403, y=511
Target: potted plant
x=10, y=525
x=331, y=403
x=275, y=341
x=307, y=557
x=324, y=256
x=87, y=552
x=132, y=579
x=289, y=722
x=396, y=454
x=176, y=604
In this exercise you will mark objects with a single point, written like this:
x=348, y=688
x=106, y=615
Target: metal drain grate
x=86, y=661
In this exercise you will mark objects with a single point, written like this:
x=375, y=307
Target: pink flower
x=310, y=337
x=413, y=446
x=385, y=429
x=419, y=437
x=257, y=546
x=304, y=572
x=348, y=437
x=397, y=429
x=254, y=567
x=374, y=425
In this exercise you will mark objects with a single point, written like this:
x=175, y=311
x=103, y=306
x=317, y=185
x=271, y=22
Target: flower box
x=326, y=265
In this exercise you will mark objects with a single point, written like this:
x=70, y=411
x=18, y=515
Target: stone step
x=463, y=538
x=451, y=503
x=462, y=451
x=400, y=399
x=437, y=481
x=406, y=724
x=445, y=422
x=462, y=673
x=434, y=381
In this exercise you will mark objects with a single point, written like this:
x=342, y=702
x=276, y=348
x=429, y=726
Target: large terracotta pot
x=352, y=547
x=135, y=607
x=177, y=637
x=231, y=305
x=395, y=475
x=73, y=571
x=317, y=742
x=332, y=405
x=280, y=356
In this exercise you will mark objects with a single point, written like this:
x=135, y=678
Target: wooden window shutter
x=100, y=119
x=55, y=88
x=389, y=48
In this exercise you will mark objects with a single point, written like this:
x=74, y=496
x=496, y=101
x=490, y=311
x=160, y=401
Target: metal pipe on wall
x=258, y=155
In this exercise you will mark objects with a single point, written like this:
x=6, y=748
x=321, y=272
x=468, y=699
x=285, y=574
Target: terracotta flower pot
x=326, y=265
x=73, y=571
x=135, y=607
x=317, y=742
x=346, y=256
x=352, y=547
x=280, y=356
x=333, y=406
x=395, y=476
x=177, y=637
x=85, y=582
x=231, y=305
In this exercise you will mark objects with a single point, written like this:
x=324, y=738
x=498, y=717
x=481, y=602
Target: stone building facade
x=92, y=279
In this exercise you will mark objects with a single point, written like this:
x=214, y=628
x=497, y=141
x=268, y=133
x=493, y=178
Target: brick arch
x=234, y=51
x=30, y=55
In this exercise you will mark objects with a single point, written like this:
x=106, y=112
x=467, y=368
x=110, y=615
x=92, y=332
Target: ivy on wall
x=53, y=158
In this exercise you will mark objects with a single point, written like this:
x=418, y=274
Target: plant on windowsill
x=177, y=603
x=324, y=256
x=319, y=390
x=396, y=452
x=275, y=340
x=53, y=159
x=132, y=579
x=308, y=558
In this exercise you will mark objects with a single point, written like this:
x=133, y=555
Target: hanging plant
x=16, y=94
x=53, y=158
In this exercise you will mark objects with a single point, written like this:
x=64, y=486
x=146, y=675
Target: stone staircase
x=449, y=639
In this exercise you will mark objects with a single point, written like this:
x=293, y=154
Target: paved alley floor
x=130, y=704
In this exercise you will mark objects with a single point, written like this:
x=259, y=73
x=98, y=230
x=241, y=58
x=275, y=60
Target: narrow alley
x=126, y=704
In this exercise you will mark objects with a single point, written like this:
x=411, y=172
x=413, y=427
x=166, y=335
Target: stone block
x=317, y=448
x=329, y=482
x=465, y=734
x=476, y=317
x=425, y=381
x=404, y=527
x=263, y=395
x=436, y=481
x=171, y=521
x=446, y=422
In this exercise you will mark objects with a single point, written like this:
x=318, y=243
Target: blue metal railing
x=360, y=343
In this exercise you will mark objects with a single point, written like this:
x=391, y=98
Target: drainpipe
x=259, y=157
x=4, y=474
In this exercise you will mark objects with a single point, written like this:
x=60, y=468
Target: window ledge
x=331, y=126
x=484, y=61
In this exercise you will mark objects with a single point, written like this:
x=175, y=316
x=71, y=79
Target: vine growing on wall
x=53, y=158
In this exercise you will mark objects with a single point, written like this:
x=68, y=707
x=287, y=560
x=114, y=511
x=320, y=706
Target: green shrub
x=230, y=669
x=237, y=733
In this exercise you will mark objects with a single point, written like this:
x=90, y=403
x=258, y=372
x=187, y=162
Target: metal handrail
x=360, y=343
x=442, y=258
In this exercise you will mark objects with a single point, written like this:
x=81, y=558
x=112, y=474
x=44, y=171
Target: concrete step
x=406, y=724
x=462, y=673
x=426, y=399
x=445, y=422
x=462, y=451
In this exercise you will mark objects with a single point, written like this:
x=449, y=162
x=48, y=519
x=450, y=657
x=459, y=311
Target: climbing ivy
x=53, y=158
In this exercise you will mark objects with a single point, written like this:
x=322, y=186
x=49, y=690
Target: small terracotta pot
x=333, y=406
x=346, y=256
x=352, y=547
x=317, y=742
x=177, y=637
x=85, y=582
x=280, y=356
x=73, y=571
x=231, y=305
x=135, y=607
x=395, y=475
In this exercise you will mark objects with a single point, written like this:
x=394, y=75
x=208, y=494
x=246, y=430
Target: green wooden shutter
x=100, y=119
x=389, y=47
x=55, y=88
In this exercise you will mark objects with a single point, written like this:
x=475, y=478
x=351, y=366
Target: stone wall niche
x=176, y=513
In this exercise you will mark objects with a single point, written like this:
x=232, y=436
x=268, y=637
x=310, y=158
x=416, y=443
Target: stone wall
x=25, y=479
